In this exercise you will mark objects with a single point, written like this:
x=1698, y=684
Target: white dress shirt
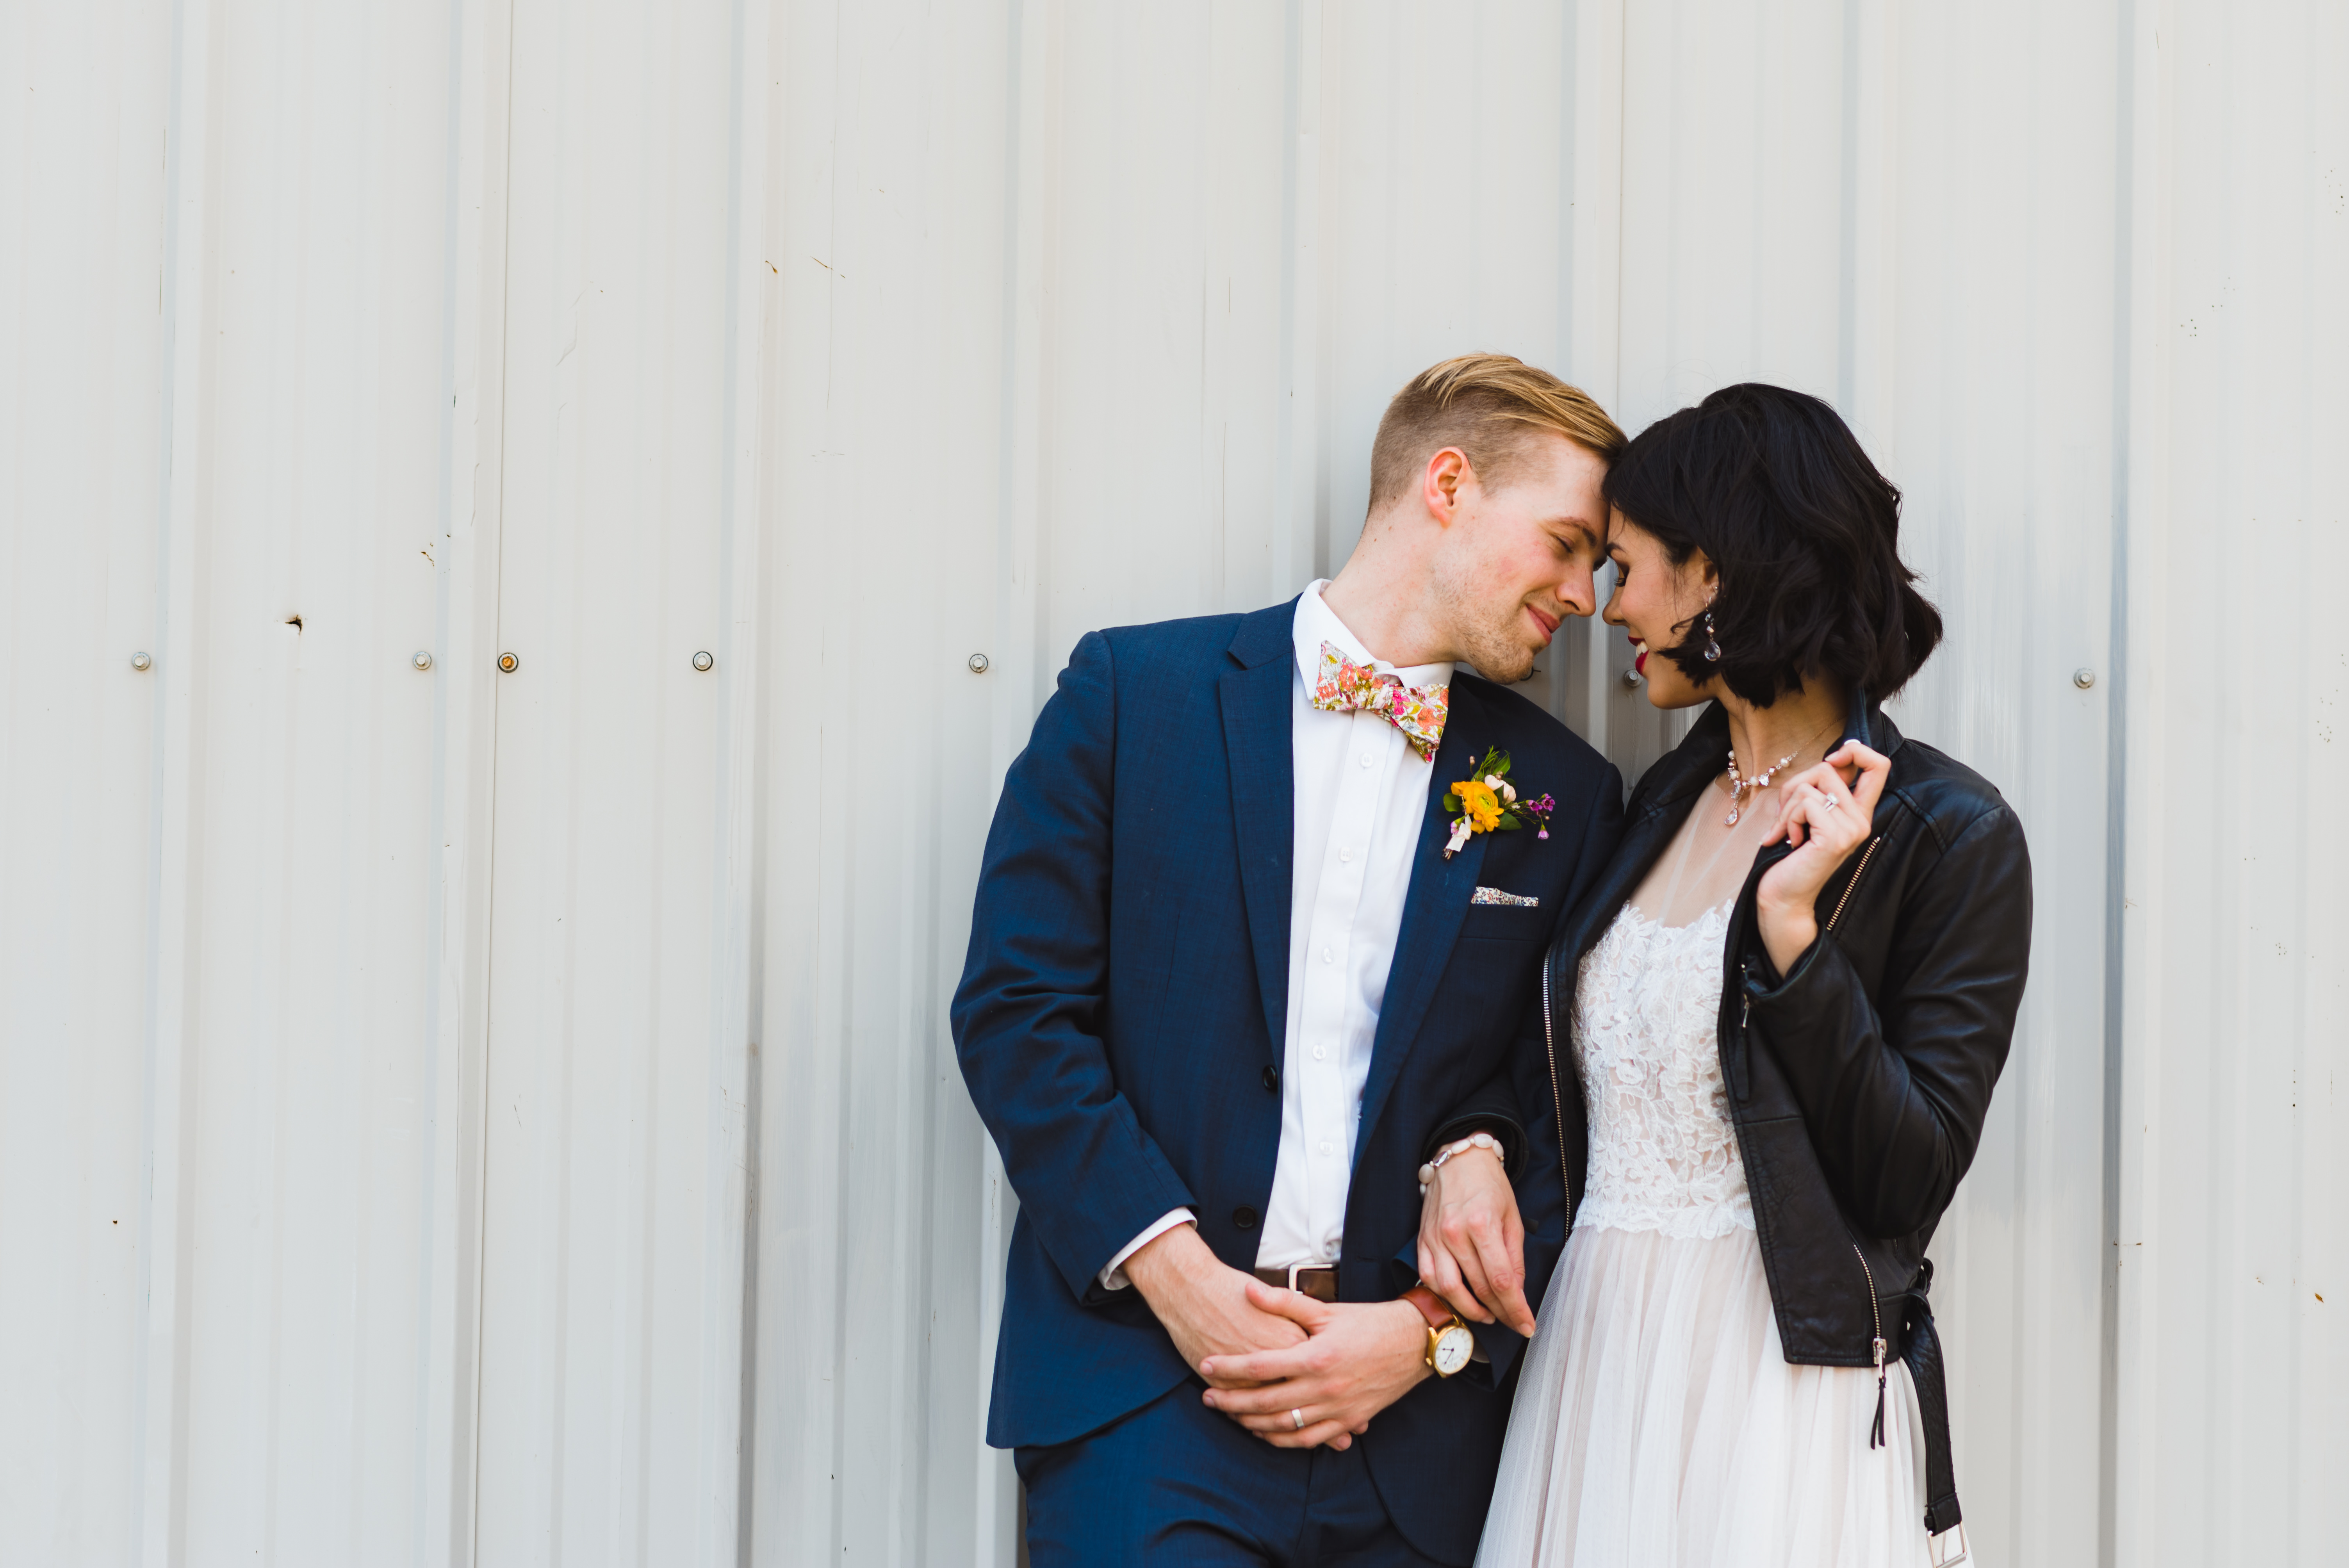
x=1360, y=796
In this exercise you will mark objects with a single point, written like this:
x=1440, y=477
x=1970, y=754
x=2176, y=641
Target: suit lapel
x=1258, y=736
x=1434, y=908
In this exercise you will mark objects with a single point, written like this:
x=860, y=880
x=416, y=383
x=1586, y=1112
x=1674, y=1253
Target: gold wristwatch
x=1450, y=1345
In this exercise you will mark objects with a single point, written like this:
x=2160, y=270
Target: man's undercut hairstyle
x=1487, y=405
x=1805, y=532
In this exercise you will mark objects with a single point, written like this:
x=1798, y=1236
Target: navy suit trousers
x=1175, y=1483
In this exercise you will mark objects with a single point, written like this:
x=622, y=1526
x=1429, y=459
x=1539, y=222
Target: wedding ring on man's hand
x=1831, y=800
x=1296, y=1419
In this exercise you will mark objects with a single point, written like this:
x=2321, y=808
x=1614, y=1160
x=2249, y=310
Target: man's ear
x=1441, y=482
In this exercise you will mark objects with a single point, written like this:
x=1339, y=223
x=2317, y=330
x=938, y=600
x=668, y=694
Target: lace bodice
x=1663, y=1153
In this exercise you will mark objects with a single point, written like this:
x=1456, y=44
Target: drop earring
x=1712, y=647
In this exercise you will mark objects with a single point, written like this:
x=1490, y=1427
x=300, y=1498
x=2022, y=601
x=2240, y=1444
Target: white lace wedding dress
x=1657, y=1420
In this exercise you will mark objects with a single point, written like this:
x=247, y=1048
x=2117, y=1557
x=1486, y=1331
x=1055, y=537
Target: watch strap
x=1432, y=1307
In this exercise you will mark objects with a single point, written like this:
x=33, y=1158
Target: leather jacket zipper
x=1557, y=1109
x=1876, y=1432
x=1865, y=856
x=1877, y=1346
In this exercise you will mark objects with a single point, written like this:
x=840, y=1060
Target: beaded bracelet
x=1474, y=1141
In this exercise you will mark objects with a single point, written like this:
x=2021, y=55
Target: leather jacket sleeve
x=1894, y=1090
x=1491, y=1108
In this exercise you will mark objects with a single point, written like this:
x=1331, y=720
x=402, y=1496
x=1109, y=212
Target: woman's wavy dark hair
x=1774, y=488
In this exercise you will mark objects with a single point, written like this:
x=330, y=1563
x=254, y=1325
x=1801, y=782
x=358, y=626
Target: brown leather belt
x=1319, y=1282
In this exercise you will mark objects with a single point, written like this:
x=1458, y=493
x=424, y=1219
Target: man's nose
x=1578, y=592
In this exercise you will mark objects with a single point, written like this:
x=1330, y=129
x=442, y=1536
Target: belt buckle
x=1955, y=1536
x=1296, y=1271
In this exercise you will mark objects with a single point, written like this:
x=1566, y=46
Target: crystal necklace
x=1740, y=786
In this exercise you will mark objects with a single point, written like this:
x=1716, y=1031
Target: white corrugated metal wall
x=449, y=1116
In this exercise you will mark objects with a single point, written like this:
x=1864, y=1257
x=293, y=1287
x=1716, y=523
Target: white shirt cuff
x=1113, y=1277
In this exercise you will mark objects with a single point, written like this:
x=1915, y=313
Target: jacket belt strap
x=1923, y=1355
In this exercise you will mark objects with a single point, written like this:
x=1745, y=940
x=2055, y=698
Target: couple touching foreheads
x=1337, y=1018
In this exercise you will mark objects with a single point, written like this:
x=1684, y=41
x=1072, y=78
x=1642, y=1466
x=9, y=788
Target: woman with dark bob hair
x=1774, y=1029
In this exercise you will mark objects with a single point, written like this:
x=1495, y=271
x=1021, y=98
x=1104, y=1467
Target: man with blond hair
x=1254, y=961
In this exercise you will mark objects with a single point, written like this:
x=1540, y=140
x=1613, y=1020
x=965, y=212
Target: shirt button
x=1319, y=1053
x=1326, y=958
x=1325, y=1148
x=1346, y=856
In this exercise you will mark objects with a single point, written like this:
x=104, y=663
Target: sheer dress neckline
x=1657, y=921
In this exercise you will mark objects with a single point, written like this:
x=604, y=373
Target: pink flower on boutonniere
x=1488, y=802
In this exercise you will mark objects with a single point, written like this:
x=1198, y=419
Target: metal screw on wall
x=421, y=659
x=978, y=664
x=141, y=662
x=1631, y=678
x=507, y=663
x=702, y=661
x=2083, y=677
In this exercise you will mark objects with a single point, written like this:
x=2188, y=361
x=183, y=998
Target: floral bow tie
x=1344, y=686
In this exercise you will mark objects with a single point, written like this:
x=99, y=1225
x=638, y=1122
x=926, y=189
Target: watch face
x=1453, y=1347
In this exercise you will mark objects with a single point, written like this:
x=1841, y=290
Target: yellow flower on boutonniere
x=1488, y=802
x=1480, y=802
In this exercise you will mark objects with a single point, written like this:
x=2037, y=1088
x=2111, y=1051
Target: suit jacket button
x=1245, y=1218
x=1272, y=1080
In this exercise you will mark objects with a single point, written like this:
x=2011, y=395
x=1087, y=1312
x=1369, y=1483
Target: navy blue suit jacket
x=1121, y=1011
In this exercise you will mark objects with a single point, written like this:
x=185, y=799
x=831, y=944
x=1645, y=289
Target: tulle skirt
x=1658, y=1423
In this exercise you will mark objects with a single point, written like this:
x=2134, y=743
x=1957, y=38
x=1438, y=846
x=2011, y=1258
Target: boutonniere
x=1489, y=801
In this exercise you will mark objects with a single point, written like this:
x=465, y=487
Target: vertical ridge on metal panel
x=734, y=1157
x=1595, y=267
x=163, y=1343
x=465, y=569
x=1300, y=545
x=797, y=1459
x=2139, y=114
x=1025, y=60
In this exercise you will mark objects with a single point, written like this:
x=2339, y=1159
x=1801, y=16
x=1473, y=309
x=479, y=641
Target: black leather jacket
x=1859, y=1081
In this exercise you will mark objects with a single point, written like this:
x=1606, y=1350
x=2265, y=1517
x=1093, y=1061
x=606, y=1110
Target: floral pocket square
x=1494, y=895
